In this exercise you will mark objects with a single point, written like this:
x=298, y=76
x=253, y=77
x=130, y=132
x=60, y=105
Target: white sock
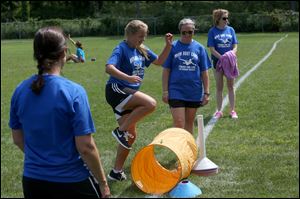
x=117, y=171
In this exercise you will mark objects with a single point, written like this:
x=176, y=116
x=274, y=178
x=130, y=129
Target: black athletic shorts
x=174, y=103
x=33, y=188
x=117, y=96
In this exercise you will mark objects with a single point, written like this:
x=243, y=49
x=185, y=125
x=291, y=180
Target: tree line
x=40, y=10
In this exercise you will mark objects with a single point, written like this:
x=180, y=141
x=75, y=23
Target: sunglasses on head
x=225, y=18
x=187, y=32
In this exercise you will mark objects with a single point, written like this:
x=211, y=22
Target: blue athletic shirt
x=131, y=62
x=50, y=121
x=221, y=39
x=80, y=53
x=186, y=62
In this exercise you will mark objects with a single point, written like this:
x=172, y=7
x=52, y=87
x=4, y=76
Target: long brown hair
x=133, y=27
x=48, y=46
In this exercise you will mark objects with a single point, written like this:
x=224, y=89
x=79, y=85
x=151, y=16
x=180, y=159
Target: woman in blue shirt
x=52, y=124
x=185, y=77
x=126, y=68
x=221, y=39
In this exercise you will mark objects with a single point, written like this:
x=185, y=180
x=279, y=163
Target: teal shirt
x=80, y=54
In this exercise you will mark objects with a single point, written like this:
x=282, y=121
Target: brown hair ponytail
x=38, y=84
x=48, y=46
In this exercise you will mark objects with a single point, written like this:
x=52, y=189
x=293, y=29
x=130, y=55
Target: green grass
x=258, y=154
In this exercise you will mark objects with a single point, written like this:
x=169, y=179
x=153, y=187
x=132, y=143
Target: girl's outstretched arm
x=164, y=54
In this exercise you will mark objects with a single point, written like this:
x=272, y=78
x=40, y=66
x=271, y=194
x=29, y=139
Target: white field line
x=211, y=123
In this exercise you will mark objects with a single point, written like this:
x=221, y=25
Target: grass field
x=258, y=154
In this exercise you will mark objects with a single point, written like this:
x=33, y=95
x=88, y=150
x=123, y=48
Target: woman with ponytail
x=126, y=68
x=52, y=124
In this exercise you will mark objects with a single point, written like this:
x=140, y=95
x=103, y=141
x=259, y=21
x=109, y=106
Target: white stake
x=200, y=138
x=203, y=166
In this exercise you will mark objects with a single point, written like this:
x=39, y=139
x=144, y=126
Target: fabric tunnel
x=148, y=173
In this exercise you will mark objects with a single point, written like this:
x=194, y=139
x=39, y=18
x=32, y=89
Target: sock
x=117, y=171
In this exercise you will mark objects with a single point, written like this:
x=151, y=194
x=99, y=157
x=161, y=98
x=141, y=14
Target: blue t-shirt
x=50, y=121
x=131, y=62
x=186, y=62
x=80, y=54
x=221, y=39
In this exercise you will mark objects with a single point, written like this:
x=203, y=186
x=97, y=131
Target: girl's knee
x=151, y=105
x=230, y=88
x=179, y=123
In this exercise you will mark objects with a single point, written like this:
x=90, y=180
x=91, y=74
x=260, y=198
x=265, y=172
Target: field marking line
x=211, y=123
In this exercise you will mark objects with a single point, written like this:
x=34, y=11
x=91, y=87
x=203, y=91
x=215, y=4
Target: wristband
x=207, y=94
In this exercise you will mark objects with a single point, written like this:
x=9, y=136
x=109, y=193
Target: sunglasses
x=225, y=18
x=187, y=32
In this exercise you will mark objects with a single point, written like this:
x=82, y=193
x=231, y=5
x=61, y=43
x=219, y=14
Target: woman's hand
x=105, y=191
x=205, y=99
x=169, y=39
x=134, y=79
x=165, y=97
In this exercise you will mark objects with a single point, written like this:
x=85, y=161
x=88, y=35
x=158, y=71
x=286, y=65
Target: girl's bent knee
x=151, y=105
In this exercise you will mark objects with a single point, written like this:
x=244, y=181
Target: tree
x=25, y=10
x=10, y=10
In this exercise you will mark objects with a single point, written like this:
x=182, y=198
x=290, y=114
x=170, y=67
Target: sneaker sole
x=119, y=141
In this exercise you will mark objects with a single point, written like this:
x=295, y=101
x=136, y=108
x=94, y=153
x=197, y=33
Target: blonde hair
x=132, y=28
x=217, y=15
x=186, y=21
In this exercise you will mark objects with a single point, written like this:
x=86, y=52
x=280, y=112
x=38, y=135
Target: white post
x=200, y=139
x=203, y=166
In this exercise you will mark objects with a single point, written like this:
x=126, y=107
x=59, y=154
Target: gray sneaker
x=121, y=137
